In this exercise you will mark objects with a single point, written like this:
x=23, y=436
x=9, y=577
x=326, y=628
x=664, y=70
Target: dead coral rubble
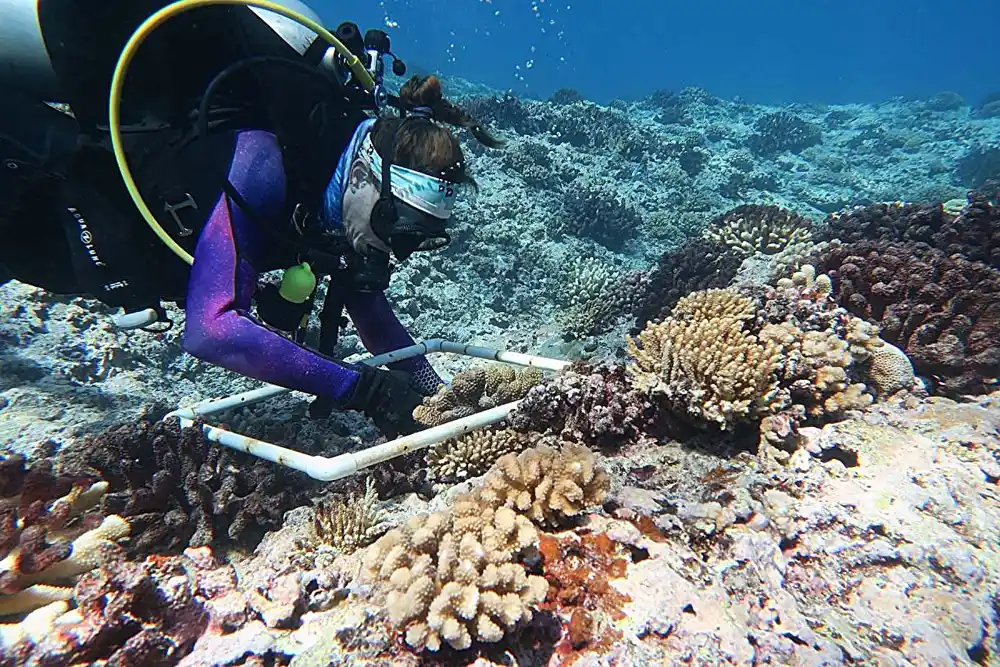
x=177, y=489
x=475, y=390
x=147, y=613
x=579, y=570
x=49, y=533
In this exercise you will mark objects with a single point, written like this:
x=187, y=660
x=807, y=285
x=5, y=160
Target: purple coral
x=177, y=489
x=943, y=311
x=593, y=406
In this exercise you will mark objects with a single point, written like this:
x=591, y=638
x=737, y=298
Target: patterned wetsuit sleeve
x=219, y=328
x=381, y=331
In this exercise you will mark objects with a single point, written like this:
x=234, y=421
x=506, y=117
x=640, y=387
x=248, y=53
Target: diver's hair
x=422, y=144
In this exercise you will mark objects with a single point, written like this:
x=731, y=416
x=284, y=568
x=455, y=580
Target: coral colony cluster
x=792, y=459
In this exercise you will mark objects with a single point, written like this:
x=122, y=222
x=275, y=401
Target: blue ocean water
x=766, y=51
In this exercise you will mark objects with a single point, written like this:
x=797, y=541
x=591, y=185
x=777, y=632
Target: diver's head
x=426, y=173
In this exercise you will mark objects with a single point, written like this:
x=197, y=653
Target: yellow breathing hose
x=121, y=69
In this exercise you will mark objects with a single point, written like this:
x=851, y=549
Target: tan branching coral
x=457, y=576
x=718, y=359
x=476, y=389
x=753, y=229
x=454, y=577
x=814, y=368
x=351, y=524
x=704, y=362
x=818, y=287
x=545, y=484
x=472, y=454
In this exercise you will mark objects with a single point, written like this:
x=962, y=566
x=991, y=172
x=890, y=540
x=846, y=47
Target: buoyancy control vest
x=180, y=171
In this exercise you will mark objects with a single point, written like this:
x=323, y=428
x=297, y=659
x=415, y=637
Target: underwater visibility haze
x=501, y=332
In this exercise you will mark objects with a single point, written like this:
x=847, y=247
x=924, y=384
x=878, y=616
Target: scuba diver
x=256, y=149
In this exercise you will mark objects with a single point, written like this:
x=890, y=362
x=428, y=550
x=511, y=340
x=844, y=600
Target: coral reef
x=723, y=358
x=455, y=576
x=874, y=543
x=942, y=311
x=754, y=228
x=979, y=166
x=178, y=489
x=705, y=364
x=49, y=532
x=972, y=230
x=781, y=131
x=476, y=389
x=545, y=484
x=347, y=525
x=594, y=212
x=472, y=454
x=596, y=295
x=147, y=613
x=594, y=406
x=579, y=570
x=697, y=265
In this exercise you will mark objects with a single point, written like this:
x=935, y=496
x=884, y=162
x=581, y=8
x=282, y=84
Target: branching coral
x=595, y=295
x=597, y=213
x=455, y=576
x=474, y=453
x=351, y=524
x=476, y=389
x=705, y=363
x=783, y=131
x=176, y=488
x=753, y=228
x=972, y=231
x=49, y=533
x=891, y=221
x=595, y=406
x=942, y=311
x=545, y=484
x=722, y=357
x=699, y=264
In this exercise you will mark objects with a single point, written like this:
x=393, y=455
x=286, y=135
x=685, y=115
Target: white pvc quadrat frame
x=328, y=469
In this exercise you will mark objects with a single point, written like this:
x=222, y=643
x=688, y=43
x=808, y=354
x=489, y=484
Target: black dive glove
x=388, y=398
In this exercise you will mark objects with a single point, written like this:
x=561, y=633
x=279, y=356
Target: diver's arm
x=381, y=331
x=219, y=328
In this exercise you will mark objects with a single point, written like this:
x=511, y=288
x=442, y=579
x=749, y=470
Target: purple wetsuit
x=228, y=259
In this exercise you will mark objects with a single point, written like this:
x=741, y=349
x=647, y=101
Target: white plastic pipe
x=434, y=345
x=337, y=467
x=328, y=469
